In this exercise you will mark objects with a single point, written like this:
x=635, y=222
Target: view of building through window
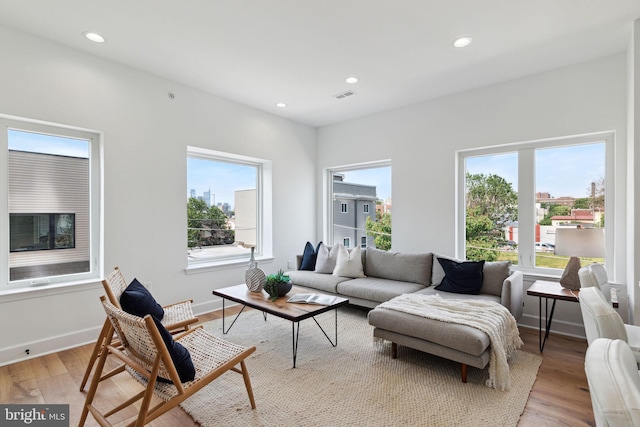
x=222, y=208
x=49, y=205
x=355, y=221
x=569, y=192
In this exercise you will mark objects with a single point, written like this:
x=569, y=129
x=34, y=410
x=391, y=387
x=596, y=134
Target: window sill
x=204, y=267
x=19, y=294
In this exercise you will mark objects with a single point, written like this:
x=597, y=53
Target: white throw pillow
x=349, y=264
x=326, y=259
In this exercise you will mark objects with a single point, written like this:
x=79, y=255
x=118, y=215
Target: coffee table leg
x=335, y=342
x=234, y=319
x=295, y=333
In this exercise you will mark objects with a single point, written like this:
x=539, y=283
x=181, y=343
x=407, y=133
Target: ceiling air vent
x=344, y=94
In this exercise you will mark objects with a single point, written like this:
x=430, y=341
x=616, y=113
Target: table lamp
x=575, y=243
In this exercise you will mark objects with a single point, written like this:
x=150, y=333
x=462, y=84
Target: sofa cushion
x=326, y=259
x=437, y=273
x=461, y=277
x=415, y=268
x=375, y=289
x=309, y=256
x=349, y=264
x=451, y=335
x=494, y=273
x=321, y=282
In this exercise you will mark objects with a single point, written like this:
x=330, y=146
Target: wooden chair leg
x=394, y=350
x=95, y=354
x=247, y=383
x=96, y=377
x=464, y=372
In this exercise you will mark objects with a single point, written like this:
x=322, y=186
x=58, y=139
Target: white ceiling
x=260, y=52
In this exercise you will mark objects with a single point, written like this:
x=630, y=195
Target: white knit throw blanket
x=490, y=317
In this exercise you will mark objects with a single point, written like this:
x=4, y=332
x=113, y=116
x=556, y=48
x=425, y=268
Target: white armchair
x=595, y=275
x=602, y=321
x=614, y=383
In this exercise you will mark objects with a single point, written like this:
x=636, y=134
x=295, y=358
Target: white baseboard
x=17, y=353
x=558, y=326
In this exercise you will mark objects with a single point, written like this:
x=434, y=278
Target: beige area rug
x=354, y=384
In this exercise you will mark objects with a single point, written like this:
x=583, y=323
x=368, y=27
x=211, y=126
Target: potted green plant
x=277, y=285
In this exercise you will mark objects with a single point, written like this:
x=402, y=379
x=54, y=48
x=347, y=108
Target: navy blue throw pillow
x=179, y=355
x=461, y=277
x=309, y=257
x=137, y=300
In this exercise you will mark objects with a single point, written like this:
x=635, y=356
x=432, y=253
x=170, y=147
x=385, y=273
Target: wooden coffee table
x=280, y=308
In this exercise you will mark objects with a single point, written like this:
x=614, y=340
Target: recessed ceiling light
x=462, y=41
x=351, y=80
x=281, y=105
x=94, y=37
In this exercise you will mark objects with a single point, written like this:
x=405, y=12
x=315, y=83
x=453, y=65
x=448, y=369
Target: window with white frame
x=360, y=187
x=228, y=207
x=346, y=242
x=515, y=197
x=363, y=242
x=52, y=191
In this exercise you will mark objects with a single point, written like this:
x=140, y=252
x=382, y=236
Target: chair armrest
x=512, y=293
x=188, y=301
x=178, y=316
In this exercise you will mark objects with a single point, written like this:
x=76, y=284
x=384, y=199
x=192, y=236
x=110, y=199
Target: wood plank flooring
x=560, y=395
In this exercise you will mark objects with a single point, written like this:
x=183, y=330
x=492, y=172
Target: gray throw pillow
x=494, y=274
x=326, y=259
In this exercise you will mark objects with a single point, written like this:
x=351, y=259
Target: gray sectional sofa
x=390, y=274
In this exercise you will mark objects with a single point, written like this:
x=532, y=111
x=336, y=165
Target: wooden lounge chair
x=146, y=356
x=177, y=318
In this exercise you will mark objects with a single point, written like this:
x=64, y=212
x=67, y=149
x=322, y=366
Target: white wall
x=145, y=140
x=421, y=141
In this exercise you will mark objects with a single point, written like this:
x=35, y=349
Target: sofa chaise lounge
x=390, y=274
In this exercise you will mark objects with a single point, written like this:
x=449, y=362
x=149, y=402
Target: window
x=346, y=242
x=52, y=193
x=228, y=207
x=363, y=242
x=515, y=198
x=33, y=232
x=359, y=186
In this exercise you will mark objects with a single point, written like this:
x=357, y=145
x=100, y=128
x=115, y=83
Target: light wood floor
x=560, y=395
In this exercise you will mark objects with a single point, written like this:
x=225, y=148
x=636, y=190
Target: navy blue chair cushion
x=137, y=300
x=461, y=277
x=179, y=355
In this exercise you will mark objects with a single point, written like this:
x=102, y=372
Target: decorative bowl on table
x=277, y=285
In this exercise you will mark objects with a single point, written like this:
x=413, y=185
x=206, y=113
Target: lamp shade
x=580, y=242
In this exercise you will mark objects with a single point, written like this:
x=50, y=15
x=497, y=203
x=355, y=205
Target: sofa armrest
x=512, y=293
x=298, y=261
